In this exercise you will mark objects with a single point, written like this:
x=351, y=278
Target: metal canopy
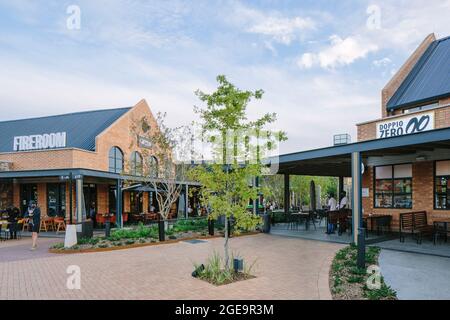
x=336, y=161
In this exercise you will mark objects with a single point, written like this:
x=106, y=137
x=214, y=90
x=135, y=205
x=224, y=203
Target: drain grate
x=195, y=241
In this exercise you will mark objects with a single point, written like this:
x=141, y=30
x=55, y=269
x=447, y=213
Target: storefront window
x=115, y=160
x=112, y=199
x=393, y=186
x=442, y=185
x=56, y=199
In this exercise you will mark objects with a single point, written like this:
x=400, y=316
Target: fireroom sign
x=405, y=125
x=40, y=141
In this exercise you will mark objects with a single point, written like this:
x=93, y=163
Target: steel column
x=119, y=220
x=287, y=193
x=356, y=194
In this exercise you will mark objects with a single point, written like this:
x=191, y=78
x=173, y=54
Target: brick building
x=404, y=156
x=100, y=149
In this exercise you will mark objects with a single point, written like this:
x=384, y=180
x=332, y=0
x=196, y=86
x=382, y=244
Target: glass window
x=384, y=172
x=136, y=164
x=442, y=185
x=393, y=186
x=442, y=168
x=153, y=166
x=56, y=199
x=115, y=160
x=112, y=199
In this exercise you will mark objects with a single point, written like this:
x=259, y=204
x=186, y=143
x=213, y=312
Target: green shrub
x=92, y=241
x=140, y=231
x=215, y=271
x=59, y=245
x=194, y=225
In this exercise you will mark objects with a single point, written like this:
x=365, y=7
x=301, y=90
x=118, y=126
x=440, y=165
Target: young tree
x=161, y=167
x=226, y=186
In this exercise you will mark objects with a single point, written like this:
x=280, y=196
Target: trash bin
x=211, y=227
x=266, y=223
x=85, y=229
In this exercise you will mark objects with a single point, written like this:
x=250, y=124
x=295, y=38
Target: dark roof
x=428, y=81
x=81, y=128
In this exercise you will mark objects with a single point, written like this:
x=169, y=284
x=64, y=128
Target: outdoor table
x=380, y=220
x=303, y=215
x=436, y=224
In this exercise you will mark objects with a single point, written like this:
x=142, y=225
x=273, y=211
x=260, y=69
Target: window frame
x=135, y=169
x=114, y=159
x=392, y=193
x=435, y=177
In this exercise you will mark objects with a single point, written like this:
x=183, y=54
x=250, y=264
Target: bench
x=414, y=223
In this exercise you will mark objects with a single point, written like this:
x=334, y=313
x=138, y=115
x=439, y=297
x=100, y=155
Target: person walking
x=34, y=215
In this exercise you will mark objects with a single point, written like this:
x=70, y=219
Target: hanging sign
x=144, y=142
x=405, y=125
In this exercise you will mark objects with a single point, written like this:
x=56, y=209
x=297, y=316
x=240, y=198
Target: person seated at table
x=344, y=200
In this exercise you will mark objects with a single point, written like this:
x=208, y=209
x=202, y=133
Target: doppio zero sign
x=405, y=125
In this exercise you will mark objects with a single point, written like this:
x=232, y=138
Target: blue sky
x=322, y=63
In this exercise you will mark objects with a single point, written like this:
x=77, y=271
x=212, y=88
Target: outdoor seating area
x=336, y=226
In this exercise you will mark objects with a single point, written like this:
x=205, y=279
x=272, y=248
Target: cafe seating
x=47, y=224
x=415, y=224
x=59, y=224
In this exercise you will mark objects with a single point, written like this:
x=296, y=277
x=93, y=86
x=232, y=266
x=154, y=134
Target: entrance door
x=28, y=192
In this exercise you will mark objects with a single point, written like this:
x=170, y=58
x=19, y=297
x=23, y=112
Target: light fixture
x=421, y=158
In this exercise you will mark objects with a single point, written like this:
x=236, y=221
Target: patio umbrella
x=312, y=196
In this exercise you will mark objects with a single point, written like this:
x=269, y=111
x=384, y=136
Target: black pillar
x=340, y=189
x=287, y=193
x=119, y=203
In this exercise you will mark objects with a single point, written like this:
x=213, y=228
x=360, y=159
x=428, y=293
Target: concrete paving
x=285, y=268
x=416, y=276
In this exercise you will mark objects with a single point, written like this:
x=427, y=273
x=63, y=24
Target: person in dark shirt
x=13, y=217
x=34, y=215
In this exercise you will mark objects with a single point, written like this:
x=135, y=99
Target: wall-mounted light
x=421, y=158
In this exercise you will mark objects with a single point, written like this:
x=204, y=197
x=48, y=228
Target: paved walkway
x=286, y=268
x=416, y=276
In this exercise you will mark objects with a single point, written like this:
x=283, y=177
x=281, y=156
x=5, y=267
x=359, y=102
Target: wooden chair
x=60, y=224
x=100, y=219
x=25, y=224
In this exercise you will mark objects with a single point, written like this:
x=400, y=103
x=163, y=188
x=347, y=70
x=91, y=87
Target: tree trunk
x=227, y=257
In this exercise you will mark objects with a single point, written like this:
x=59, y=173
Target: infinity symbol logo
x=416, y=125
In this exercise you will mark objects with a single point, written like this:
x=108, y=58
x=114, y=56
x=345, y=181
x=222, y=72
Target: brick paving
x=286, y=268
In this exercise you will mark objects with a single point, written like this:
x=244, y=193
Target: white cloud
x=382, y=62
x=280, y=29
x=340, y=52
x=272, y=25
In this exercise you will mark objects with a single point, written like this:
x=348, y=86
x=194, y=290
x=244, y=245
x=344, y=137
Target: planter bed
x=348, y=282
x=103, y=244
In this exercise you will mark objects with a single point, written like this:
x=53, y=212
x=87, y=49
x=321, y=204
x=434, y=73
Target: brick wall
x=422, y=189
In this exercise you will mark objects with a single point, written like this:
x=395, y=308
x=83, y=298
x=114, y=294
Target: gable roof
x=81, y=128
x=428, y=80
